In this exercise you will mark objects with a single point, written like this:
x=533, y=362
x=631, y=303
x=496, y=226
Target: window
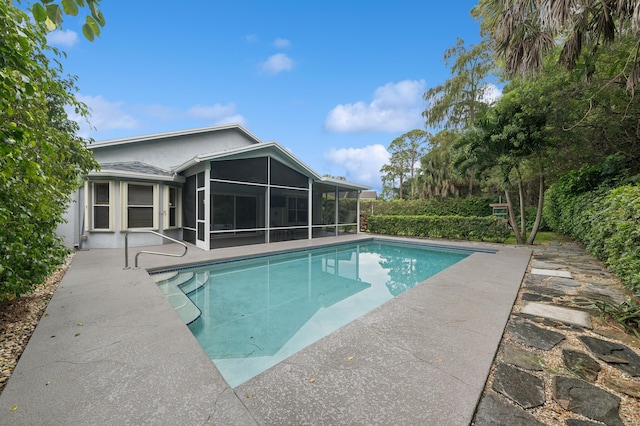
x=139, y=205
x=172, y=207
x=99, y=197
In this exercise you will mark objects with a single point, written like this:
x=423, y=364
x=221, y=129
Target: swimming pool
x=257, y=312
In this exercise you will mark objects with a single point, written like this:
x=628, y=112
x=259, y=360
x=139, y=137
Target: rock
x=530, y=297
x=603, y=293
x=522, y=358
x=523, y=388
x=581, y=364
x=546, y=265
x=583, y=398
x=547, y=291
x=527, y=333
x=620, y=335
x=558, y=313
x=625, y=386
x=618, y=355
x=563, y=282
x=551, y=273
x=497, y=411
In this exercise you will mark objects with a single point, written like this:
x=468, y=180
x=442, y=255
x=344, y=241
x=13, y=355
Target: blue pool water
x=257, y=312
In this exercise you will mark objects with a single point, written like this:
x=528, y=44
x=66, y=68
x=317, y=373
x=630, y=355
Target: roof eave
x=135, y=175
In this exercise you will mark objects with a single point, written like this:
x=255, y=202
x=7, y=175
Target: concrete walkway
x=111, y=350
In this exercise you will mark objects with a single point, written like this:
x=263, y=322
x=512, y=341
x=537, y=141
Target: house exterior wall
x=190, y=152
x=170, y=152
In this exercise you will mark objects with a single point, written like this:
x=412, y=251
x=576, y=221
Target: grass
x=542, y=238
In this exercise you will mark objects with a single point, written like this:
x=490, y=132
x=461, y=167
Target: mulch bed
x=19, y=318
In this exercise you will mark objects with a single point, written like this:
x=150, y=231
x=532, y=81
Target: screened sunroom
x=262, y=194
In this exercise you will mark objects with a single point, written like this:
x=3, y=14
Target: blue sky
x=333, y=81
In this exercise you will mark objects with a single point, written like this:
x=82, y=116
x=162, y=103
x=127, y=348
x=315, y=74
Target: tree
x=525, y=30
x=50, y=13
x=437, y=177
x=405, y=151
x=41, y=158
x=511, y=140
x=458, y=101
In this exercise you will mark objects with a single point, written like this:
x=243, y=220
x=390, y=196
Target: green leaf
x=99, y=17
x=55, y=14
x=39, y=14
x=70, y=7
x=95, y=28
x=50, y=25
x=88, y=32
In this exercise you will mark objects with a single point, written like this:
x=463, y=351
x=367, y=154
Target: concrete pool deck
x=111, y=350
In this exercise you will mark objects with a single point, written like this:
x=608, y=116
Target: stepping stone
x=617, y=355
x=604, y=293
x=551, y=273
x=565, y=315
x=497, y=411
x=549, y=291
x=522, y=358
x=627, y=387
x=521, y=387
x=583, y=398
x=546, y=265
x=530, y=297
x=563, y=282
x=581, y=364
x=529, y=334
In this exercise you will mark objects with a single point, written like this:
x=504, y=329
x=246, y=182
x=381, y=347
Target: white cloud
x=491, y=93
x=211, y=112
x=217, y=114
x=396, y=107
x=105, y=115
x=276, y=64
x=361, y=165
x=160, y=111
x=65, y=38
x=114, y=118
x=251, y=38
x=282, y=43
x=232, y=119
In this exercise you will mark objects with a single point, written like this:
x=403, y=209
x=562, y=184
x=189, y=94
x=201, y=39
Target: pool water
x=257, y=312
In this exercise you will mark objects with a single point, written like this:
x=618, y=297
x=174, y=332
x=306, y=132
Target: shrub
x=605, y=220
x=472, y=206
x=487, y=228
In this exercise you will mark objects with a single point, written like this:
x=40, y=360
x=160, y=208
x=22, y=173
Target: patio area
x=110, y=349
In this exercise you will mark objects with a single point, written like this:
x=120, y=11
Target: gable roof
x=266, y=148
x=178, y=133
x=135, y=170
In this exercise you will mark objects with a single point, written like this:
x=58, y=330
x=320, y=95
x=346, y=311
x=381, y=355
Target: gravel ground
x=18, y=320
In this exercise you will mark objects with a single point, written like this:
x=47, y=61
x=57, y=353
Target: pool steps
x=176, y=285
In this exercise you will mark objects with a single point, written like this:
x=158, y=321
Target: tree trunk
x=536, y=224
x=512, y=218
x=523, y=215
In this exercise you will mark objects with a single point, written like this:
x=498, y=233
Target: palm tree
x=524, y=30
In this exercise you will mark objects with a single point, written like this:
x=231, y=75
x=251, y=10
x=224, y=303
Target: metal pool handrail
x=126, y=247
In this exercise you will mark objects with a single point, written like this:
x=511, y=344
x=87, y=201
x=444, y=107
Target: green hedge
x=487, y=228
x=606, y=221
x=469, y=207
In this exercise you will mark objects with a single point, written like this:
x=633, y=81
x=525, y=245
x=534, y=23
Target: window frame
x=166, y=210
x=124, y=192
x=91, y=204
